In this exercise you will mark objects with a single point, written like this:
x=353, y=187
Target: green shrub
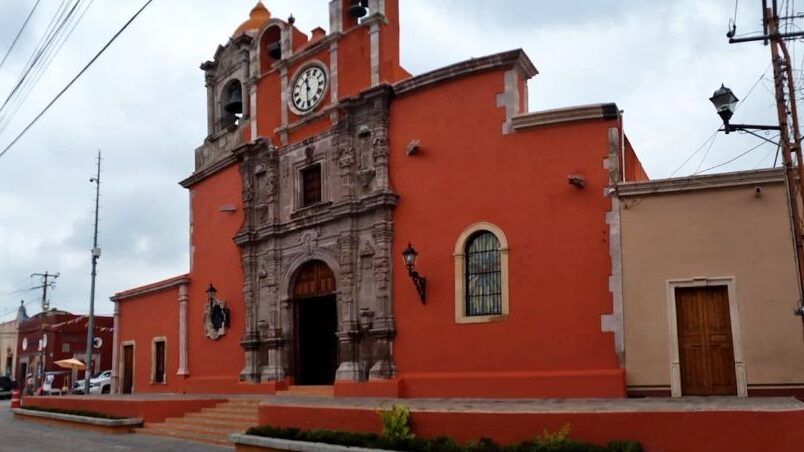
x=553, y=441
x=547, y=442
x=624, y=446
x=396, y=423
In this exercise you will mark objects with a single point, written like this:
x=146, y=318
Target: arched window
x=481, y=274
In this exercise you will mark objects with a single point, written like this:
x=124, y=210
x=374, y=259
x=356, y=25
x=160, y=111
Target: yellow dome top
x=258, y=16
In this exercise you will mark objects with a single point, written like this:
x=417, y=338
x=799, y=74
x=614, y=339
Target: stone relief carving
x=350, y=232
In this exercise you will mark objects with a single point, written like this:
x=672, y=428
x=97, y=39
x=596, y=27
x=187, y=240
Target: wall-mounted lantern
x=409, y=255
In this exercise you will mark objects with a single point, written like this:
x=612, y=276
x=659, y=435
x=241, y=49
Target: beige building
x=710, y=286
x=8, y=347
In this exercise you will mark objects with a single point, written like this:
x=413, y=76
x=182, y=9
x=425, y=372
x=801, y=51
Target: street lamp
x=409, y=255
x=725, y=103
x=212, y=293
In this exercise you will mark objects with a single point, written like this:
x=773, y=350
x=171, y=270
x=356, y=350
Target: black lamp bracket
x=421, y=284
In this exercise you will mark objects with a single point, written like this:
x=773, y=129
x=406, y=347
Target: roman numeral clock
x=308, y=88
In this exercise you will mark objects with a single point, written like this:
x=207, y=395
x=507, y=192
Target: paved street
x=16, y=435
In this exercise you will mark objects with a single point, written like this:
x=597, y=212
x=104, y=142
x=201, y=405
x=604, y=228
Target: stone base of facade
x=595, y=383
x=374, y=388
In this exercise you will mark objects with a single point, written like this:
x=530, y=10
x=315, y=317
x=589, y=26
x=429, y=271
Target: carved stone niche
x=216, y=319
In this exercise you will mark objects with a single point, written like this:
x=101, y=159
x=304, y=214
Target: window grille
x=483, y=275
x=159, y=372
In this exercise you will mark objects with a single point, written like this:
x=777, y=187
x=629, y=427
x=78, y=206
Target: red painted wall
x=467, y=172
x=216, y=260
x=734, y=431
x=141, y=320
x=149, y=410
x=64, y=340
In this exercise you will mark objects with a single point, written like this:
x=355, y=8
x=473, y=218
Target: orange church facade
x=325, y=161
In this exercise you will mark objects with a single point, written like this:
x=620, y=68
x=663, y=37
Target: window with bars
x=311, y=185
x=483, y=276
x=159, y=364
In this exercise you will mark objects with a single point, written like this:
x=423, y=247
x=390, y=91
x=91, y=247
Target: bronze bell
x=358, y=8
x=234, y=101
x=275, y=50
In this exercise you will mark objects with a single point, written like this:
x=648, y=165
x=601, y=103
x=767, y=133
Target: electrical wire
x=703, y=159
x=732, y=159
x=41, y=60
x=42, y=68
x=80, y=73
x=710, y=140
x=19, y=33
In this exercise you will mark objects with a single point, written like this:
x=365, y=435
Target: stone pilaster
x=115, y=350
x=183, y=298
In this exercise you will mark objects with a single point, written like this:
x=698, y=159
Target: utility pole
x=45, y=284
x=789, y=140
x=96, y=252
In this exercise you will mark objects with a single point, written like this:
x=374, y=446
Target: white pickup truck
x=100, y=383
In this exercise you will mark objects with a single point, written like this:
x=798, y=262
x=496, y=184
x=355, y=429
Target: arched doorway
x=316, y=323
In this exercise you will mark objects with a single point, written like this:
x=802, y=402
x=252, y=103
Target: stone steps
x=309, y=391
x=210, y=425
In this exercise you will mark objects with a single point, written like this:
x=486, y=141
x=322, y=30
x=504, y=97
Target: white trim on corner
x=736, y=334
x=460, y=271
x=154, y=340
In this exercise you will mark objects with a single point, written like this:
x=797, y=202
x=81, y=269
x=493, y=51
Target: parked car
x=6, y=385
x=100, y=383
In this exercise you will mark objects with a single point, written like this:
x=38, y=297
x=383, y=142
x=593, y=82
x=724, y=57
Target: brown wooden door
x=128, y=368
x=705, y=346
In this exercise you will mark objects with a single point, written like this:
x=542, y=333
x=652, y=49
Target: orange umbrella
x=71, y=363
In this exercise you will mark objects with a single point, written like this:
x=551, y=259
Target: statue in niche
x=216, y=318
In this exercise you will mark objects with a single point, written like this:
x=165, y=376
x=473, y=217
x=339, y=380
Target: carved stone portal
x=349, y=232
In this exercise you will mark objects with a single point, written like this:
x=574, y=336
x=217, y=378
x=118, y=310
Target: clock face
x=308, y=88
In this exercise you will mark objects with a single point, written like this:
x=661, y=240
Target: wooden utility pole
x=45, y=284
x=789, y=132
x=790, y=145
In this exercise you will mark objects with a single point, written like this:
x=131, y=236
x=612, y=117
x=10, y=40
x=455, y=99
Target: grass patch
x=93, y=414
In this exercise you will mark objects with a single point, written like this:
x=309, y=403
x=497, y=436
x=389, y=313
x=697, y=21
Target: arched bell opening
x=231, y=103
x=270, y=47
x=315, y=324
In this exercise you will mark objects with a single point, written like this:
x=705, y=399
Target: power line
x=50, y=55
x=17, y=37
x=732, y=159
x=41, y=58
x=80, y=73
x=711, y=139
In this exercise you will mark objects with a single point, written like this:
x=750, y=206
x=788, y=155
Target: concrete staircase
x=210, y=425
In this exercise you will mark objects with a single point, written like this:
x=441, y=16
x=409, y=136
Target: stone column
x=251, y=336
x=115, y=347
x=183, y=298
x=383, y=331
x=350, y=367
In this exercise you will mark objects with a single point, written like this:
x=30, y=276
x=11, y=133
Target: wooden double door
x=316, y=325
x=705, y=344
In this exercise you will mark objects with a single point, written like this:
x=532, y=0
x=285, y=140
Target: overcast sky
x=143, y=104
